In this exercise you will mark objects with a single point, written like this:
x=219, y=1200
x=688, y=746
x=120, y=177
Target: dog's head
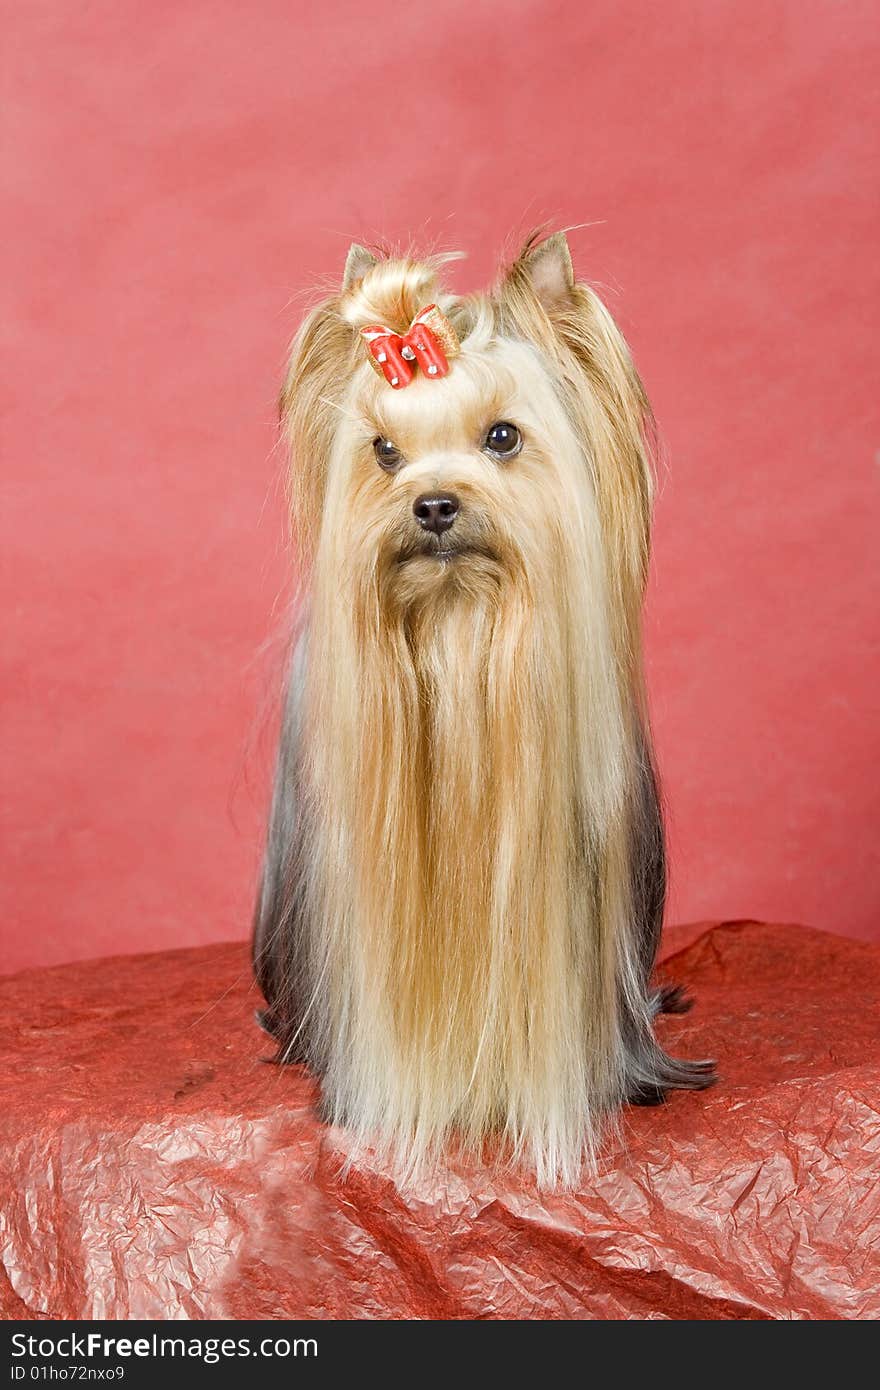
x=530, y=451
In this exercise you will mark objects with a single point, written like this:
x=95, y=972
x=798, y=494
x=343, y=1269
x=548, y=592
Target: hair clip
x=429, y=342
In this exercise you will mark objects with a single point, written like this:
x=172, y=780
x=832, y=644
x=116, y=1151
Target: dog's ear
x=538, y=300
x=358, y=261
x=321, y=362
x=547, y=266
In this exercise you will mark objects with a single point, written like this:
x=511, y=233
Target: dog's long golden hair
x=465, y=877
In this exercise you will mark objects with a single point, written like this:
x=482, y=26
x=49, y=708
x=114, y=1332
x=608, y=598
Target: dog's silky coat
x=465, y=878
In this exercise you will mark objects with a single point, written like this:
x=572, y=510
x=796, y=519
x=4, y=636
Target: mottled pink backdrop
x=175, y=180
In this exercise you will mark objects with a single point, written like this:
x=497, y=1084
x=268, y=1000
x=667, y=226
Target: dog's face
x=455, y=486
x=520, y=473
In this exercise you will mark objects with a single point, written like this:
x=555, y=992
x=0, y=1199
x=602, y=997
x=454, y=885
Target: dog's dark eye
x=388, y=455
x=503, y=440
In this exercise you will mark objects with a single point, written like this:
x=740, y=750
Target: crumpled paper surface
x=152, y=1165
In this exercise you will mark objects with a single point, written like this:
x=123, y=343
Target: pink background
x=175, y=180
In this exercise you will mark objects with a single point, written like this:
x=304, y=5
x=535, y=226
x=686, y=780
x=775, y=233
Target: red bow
x=428, y=343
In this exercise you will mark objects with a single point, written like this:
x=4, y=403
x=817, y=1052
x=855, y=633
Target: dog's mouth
x=444, y=551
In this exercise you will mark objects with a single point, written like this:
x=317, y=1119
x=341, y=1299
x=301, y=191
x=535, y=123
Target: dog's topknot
x=392, y=293
x=391, y=289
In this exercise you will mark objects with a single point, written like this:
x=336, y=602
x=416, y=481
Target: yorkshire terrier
x=465, y=876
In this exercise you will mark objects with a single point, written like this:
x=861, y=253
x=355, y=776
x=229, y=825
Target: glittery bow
x=429, y=342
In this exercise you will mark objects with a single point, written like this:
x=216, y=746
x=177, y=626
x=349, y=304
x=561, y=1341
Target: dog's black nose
x=436, y=511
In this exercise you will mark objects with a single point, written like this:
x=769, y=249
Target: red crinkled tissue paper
x=154, y=1166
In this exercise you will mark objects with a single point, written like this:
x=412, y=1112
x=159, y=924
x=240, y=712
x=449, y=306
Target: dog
x=464, y=882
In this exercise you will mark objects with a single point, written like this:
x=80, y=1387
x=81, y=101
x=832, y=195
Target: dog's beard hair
x=466, y=949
